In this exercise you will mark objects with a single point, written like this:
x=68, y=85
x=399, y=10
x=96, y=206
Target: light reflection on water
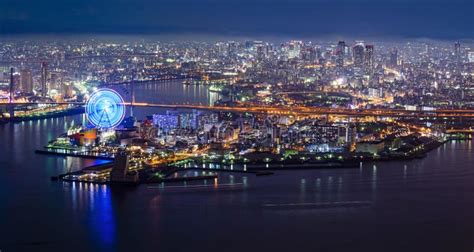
x=96, y=201
x=408, y=197
x=168, y=92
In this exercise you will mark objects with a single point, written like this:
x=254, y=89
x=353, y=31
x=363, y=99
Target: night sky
x=440, y=19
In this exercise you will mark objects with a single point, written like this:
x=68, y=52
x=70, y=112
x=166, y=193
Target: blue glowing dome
x=105, y=108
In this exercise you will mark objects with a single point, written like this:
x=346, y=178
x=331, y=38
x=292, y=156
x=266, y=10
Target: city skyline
x=237, y=125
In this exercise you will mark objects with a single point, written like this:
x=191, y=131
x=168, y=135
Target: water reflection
x=168, y=92
x=95, y=201
x=374, y=182
x=404, y=172
x=104, y=215
x=302, y=189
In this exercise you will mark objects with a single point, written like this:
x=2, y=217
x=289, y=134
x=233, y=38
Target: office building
x=44, y=79
x=340, y=53
x=358, y=54
x=393, y=62
x=369, y=57
x=26, y=81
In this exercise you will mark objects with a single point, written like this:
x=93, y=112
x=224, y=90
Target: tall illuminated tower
x=457, y=52
x=26, y=81
x=44, y=78
x=358, y=54
x=369, y=57
x=11, y=87
x=340, y=53
x=457, y=49
x=393, y=57
x=11, y=98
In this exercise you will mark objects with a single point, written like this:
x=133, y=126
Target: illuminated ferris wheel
x=105, y=108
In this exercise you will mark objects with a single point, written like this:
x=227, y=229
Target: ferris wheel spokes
x=105, y=103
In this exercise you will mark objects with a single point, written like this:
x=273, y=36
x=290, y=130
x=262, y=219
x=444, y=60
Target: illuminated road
x=295, y=110
x=465, y=131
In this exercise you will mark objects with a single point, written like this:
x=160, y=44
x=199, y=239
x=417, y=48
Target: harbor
x=237, y=126
x=191, y=169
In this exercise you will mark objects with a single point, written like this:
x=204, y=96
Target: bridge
x=282, y=110
x=462, y=131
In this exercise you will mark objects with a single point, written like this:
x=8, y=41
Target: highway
x=294, y=110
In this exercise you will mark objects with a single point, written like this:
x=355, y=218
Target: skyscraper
x=319, y=53
x=54, y=81
x=457, y=49
x=393, y=57
x=294, y=49
x=11, y=87
x=232, y=48
x=369, y=57
x=44, y=78
x=26, y=81
x=358, y=54
x=457, y=52
x=340, y=52
x=470, y=57
x=309, y=54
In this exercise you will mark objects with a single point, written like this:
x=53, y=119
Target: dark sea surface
x=421, y=205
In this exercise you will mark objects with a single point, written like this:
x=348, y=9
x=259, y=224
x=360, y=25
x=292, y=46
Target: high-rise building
x=470, y=57
x=11, y=86
x=369, y=57
x=457, y=49
x=340, y=53
x=261, y=52
x=26, y=81
x=309, y=54
x=232, y=48
x=44, y=78
x=319, y=54
x=358, y=54
x=393, y=57
x=294, y=49
x=54, y=81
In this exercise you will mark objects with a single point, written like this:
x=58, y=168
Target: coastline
x=258, y=169
x=56, y=114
